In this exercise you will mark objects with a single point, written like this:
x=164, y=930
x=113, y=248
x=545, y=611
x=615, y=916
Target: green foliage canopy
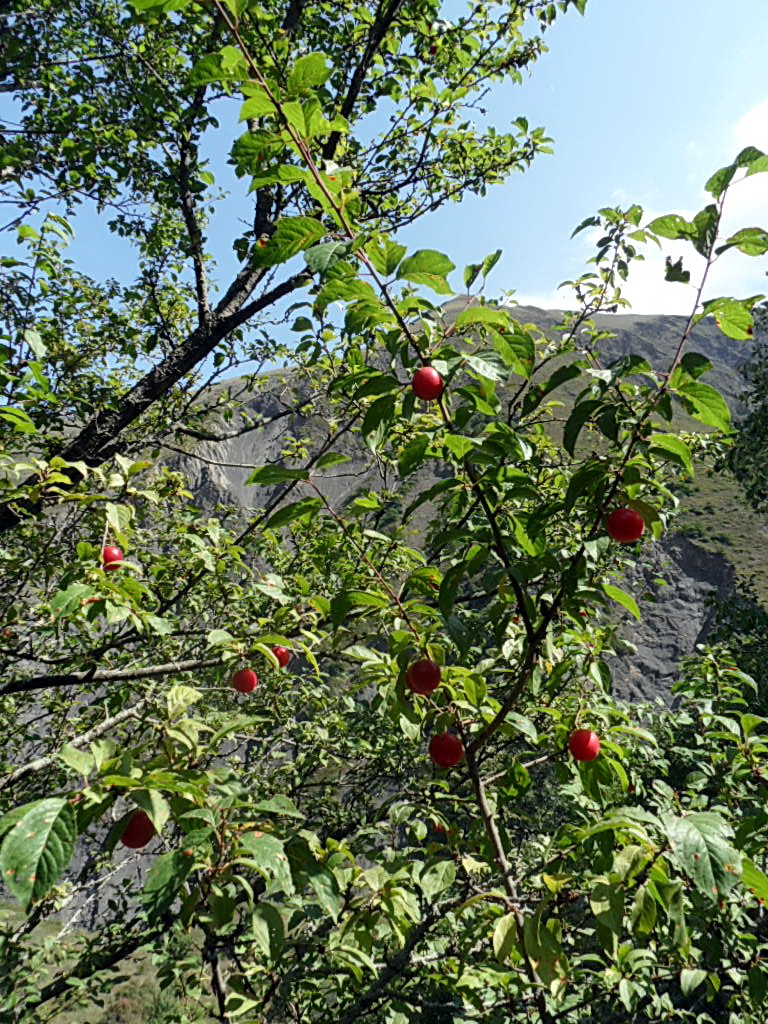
x=310, y=863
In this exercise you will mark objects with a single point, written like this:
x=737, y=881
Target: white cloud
x=752, y=128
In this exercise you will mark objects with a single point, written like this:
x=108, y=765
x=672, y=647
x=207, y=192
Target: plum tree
x=299, y=870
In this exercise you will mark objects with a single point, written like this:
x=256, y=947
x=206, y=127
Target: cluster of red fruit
x=446, y=750
x=423, y=677
x=245, y=680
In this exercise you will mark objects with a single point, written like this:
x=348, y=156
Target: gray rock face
x=676, y=616
x=672, y=584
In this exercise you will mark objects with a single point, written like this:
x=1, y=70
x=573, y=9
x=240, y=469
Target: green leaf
x=19, y=420
x=523, y=725
x=35, y=342
x=427, y=267
x=704, y=403
x=268, y=931
x=266, y=854
x=321, y=257
x=543, y=947
x=607, y=904
x=752, y=241
x=267, y=475
x=257, y=105
x=672, y=225
x=220, y=638
x=326, y=889
x=579, y=416
x=588, y=479
x=436, y=878
x=505, y=937
x=164, y=882
x=450, y=586
x=292, y=236
x=82, y=763
x=154, y=804
x=384, y=254
x=720, y=180
x=295, y=510
x=732, y=316
x=537, y=392
x=705, y=229
x=753, y=879
x=667, y=446
x=412, y=455
x=757, y=165
x=643, y=913
x=516, y=350
x=377, y=417
x=484, y=315
x=674, y=272
x=38, y=848
x=691, y=978
x=8, y=820
x=622, y=598
x=308, y=71
x=280, y=804
x=331, y=459
x=490, y=262
x=458, y=445
x=694, y=364
x=701, y=846
x=487, y=364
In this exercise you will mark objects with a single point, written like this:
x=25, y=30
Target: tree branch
x=98, y=730
x=510, y=888
x=187, y=200
x=379, y=29
x=99, y=438
x=49, y=682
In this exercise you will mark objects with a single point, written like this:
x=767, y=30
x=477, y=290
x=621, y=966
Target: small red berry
x=111, y=557
x=750, y=330
x=282, y=654
x=446, y=750
x=432, y=50
x=423, y=677
x=625, y=525
x=427, y=384
x=245, y=680
x=138, y=831
x=584, y=745
x=583, y=614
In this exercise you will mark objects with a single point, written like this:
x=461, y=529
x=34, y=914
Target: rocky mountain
x=676, y=576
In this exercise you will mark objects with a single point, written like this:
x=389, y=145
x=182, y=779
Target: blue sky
x=644, y=99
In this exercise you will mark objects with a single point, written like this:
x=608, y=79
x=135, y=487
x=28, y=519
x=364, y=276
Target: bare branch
x=79, y=741
x=108, y=675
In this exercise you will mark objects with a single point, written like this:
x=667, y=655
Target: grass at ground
x=715, y=515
